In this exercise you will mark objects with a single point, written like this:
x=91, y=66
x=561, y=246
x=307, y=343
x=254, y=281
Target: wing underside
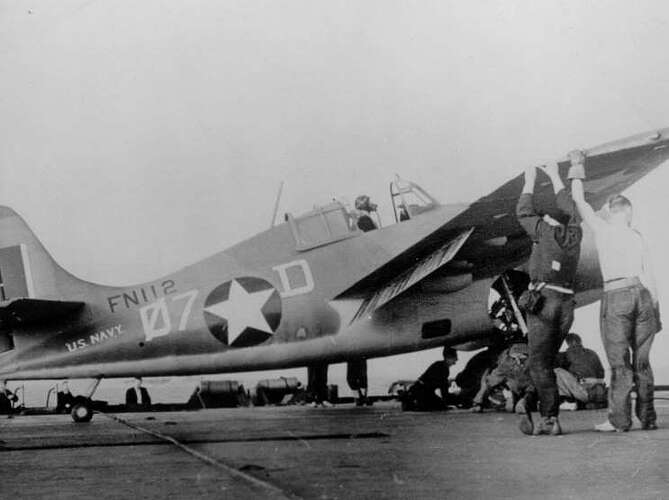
x=494, y=240
x=413, y=275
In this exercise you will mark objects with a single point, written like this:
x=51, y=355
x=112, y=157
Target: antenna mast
x=276, y=205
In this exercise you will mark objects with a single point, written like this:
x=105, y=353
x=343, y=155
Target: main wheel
x=82, y=412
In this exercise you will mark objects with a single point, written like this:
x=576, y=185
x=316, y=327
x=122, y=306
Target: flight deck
x=327, y=453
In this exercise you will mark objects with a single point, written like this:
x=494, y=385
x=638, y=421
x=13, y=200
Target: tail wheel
x=82, y=412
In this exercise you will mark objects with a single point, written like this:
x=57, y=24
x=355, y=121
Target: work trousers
x=423, y=398
x=356, y=374
x=569, y=387
x=628, y=326
x=512, y=374
x=547, y=330
x=317, y=386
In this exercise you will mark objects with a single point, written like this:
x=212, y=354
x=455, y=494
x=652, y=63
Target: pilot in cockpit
x=364, y=205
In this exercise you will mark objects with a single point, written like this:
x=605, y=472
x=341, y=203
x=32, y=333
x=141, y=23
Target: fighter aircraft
x=313, y=289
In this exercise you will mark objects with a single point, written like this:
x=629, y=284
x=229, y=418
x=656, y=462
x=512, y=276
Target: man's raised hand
x=577, y=169
x=530, y=173
x=530, y=178
x=551, y=169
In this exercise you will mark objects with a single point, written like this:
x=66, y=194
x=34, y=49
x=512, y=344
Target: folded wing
x=413, y=275
x=486, y=234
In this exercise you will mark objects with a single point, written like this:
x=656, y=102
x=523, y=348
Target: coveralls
x=555, y=253
x=511, y=370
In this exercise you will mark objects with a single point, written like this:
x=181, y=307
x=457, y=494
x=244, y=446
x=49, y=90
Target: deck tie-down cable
x=259, y=483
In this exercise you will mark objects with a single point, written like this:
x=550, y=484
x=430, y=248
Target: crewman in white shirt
x=629, y=316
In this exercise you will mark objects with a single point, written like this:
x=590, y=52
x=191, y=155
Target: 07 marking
x=155, y=317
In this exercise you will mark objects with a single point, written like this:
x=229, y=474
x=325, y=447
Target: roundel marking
x=243, y=312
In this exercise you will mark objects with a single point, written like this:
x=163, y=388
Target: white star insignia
x=242, y=310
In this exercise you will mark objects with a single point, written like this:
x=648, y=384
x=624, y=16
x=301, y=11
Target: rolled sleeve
x=527, y=216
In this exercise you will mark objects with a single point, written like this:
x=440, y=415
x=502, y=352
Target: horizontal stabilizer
x=19, y=312
x=413, y=275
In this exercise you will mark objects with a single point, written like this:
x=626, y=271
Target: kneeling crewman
x=422, y=395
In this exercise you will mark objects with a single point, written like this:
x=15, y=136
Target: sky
x=139, y=137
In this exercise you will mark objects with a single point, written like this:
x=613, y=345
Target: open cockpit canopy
x=322, y=225
x=409, y=199
x=333, y=222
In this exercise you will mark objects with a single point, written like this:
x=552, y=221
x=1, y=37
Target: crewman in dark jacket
x=64, y=398
x=137, y=398
x=7, y=399
x=580, y=361
x=422, y=395
x=550, y=301
x=469, y=379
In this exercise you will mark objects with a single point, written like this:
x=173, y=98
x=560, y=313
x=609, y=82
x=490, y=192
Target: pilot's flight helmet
x=363, y=202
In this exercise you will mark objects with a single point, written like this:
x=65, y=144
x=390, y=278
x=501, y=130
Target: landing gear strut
x=503, y=304
x=82, y=408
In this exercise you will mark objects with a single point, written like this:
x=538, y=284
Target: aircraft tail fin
x=26, y=268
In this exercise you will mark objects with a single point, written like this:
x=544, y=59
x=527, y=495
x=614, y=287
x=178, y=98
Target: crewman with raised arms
x=549, y=302
x=630, y=313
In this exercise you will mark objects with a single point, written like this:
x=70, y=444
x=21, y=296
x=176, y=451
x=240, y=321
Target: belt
x=560, y=289
x=617, y=283
x=592, y=380
x=557, y=288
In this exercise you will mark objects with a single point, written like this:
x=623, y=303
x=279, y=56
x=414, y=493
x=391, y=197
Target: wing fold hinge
x=412, y=275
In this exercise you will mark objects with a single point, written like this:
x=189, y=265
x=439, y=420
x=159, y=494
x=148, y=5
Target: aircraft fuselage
x=263, y=304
